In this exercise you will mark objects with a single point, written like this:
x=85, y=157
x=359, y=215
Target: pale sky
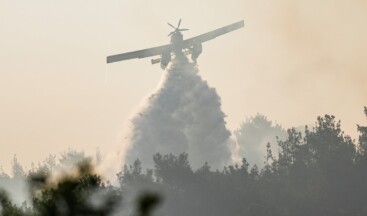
x=293, y=61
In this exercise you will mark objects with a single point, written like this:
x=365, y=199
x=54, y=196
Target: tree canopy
x=319, y=172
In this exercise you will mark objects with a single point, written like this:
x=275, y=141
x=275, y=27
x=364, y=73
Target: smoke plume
x=183, y=115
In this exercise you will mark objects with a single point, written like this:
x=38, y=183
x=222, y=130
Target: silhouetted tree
x=74, y=195
x=253, y=136
x=319, y=172
x=17, y=169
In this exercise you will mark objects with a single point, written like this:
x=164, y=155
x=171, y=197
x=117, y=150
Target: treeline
x=320, y=171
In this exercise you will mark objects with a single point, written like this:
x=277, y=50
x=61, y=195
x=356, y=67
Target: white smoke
x=109, y=166
x=183, y=115
x=17, y=190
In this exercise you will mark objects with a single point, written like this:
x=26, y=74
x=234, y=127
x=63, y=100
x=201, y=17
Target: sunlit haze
x=293, y=61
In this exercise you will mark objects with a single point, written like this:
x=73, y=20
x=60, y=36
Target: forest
x=318, y=170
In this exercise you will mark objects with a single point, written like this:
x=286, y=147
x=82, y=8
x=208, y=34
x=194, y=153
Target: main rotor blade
x=183, y=29
x=171, y=25
x=170, y=34
x=179, y=23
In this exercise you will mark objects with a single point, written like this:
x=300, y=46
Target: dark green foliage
x=7, y=208
x=362, y=148
x=81, y=193
x=321, y=172
x=73, y=195
x=134, y=175
x=172, y=170
x=146, y=203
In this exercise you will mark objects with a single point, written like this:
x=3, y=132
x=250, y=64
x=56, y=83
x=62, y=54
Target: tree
x=253, y=136
x=17, y=169
x=7, y=208
x=70, y=158
x=83, y=194
x=173, y=170
x=133, y=176
x=360, y=189
x=362, y=145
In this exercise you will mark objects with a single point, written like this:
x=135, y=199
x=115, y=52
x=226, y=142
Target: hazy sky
x=293, y=61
